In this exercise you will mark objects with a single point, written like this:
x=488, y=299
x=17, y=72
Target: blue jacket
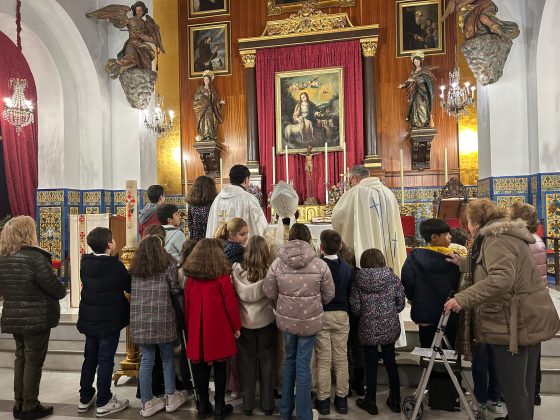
x=342, y=274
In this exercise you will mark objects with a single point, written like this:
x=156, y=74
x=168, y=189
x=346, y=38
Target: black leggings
x=201, y=373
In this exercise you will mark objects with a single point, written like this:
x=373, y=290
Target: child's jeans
x=147, y=365
x=99, y=355
x=372, y=358
x=297, y=372
x=485, y=377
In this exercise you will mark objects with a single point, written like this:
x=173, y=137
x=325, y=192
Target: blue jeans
x=485, y=377
x=297, y=372
x=147, y=365
x=99, y=354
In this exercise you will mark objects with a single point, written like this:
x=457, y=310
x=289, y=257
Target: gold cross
x=223, y=215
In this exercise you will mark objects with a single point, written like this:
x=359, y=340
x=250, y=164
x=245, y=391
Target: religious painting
x=276, y=7
x=419, y=27
x=208, y=8
x=209, y=49
x=309, y=110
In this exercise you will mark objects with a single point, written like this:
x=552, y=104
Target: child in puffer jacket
x=377, y=297
x=300, y=283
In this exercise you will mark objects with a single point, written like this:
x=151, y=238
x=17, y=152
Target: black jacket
x=31, y=291
x=104, y=309
x=342, y=274
x=428, y=279
x=233, y=252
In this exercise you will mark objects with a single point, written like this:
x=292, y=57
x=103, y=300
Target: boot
x=367, y=405
x=394, y=403
x=37, y=413
x=222, y=410
x=204, y=409
x=323, y=406
x=341, y=405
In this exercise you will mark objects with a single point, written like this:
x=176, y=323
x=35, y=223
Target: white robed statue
x=368, y=216
x=235, y=201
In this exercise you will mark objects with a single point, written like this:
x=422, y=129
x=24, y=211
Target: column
x=249, y=62
x=369, y=48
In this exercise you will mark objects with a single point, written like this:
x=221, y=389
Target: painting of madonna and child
x=309, y=110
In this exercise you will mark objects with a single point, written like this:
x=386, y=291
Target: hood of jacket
x=516, y=228
x=231, y=191
x=296, y=254
x=430, y=261
x=96, y=266
x=247, y=291
x=374, y=280
x=147, y=212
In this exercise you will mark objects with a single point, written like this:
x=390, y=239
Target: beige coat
x=255, y=309
x=511, y=304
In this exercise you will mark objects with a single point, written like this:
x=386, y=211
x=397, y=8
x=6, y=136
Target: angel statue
x=137, y=53
x=207, y=106
x=420, y=91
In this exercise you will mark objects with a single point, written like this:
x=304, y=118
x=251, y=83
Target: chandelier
x=459, y=98
x=159, y=122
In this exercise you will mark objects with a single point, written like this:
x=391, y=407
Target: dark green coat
x=31, y=291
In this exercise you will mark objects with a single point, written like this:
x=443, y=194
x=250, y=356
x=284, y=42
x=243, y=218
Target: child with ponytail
x=235, y=234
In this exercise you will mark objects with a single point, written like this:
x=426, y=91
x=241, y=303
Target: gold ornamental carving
x=369, y=47
x=249, y=58
x=275, y=8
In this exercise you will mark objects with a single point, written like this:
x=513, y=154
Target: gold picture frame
x=277, y=7
x=419, y=27
x=208, y=8
x=320, y=120
x=209, y=49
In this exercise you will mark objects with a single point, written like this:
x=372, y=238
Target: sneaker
x=315, y=414
x=341, y=405
x=367, y=405
x=495, y=407
x=222, y=411
x=235, y=395
x=537, y=399
x=37, y=413
x=16, y=411
x=113, y=406
x=483, y=410
x=175, y=400
x=149, y=408
x=323, y=406
x=204, y=410
x=394, y=404
x=83, y=407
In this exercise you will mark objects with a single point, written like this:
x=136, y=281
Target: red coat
x=211, y=318
x=153, y=220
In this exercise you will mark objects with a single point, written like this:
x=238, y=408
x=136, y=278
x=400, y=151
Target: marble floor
x=60, y=389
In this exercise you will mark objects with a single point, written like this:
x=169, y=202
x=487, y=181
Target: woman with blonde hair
x=31, y=292
x=235, y=233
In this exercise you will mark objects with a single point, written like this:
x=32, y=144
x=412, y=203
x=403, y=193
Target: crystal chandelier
x=459, y=98
x=159, y=122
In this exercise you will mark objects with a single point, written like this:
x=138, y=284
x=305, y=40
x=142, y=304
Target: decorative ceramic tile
x=534, y=183
x=511, y=185
x=178, y=200
x=484, y=188
x=92, y=210
x=107, y=199
x=91, y=198
x=550, y=182
x=119, y=198
x=120, y=210
x=74, y=210
x=50, y=197
x=73, y=198
x=507, y=201
x=553, y=214
x=50, y=230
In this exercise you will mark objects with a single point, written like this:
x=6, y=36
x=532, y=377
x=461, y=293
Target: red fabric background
x=339, y=54
x=20, y=152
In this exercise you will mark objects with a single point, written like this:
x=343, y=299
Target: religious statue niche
x=488, y=39
x=420, y=94
x=133, y=65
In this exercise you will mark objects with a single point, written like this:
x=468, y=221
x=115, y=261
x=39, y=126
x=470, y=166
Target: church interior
x=443, y=110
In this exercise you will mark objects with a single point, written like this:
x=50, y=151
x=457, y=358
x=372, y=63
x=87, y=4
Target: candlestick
x=287, y=169
x=445, y=166
x=273, y=166
x=221, y=174
x=326, y=176
x=402, y=178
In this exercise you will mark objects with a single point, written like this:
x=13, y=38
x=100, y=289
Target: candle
x=445, y=165
x=185, y=171
x=273, y=166
x=287, y=169
x=131, y=212
x=221, y=174
x=344, y=159
x=326, y=176
x=402, y=178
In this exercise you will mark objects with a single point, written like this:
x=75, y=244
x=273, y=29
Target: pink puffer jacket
x=538, y=249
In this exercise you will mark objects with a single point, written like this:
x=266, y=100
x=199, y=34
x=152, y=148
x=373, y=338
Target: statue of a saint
x=207, y=106
x=420, y=91
x=309, y=169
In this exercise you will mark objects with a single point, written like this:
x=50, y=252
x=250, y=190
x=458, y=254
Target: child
x=212, y=320
x=188, y=247
x=235, y=234
x=155, y=230
x=258, y=331
x=152, y=321
x=301, y=283
x=459, y=241
x=378, y=297
x=331, y=346
x=104, y=312
x=168, y=215
x=200, y=199
x=148, y=215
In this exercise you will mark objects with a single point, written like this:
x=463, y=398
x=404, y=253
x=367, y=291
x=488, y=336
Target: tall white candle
x=402, y=177
x=287, y=169
x=273, y=166
x=344, y=159
x=445, y=165
x=221, y=174
x=131, y=210
x=326, y=175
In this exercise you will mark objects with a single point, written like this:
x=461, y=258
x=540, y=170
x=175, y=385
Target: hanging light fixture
x=18, y=111
x=159, y=122
x=459, y=98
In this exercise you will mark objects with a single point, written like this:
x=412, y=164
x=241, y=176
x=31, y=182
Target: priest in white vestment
x=235, y=201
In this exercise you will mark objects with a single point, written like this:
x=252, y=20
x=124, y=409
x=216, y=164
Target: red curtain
x=339, y=54
x=20, y=152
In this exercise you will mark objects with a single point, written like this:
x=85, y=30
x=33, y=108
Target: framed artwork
x=276, y=7
x=309, y=110
x=209, y=49
x=419, y=27
x=208, y=8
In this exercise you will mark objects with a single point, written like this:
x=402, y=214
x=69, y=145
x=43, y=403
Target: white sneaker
x=152, y=407
x=113, y=406
x=175, y=400
x=315, y=414
x=82, y=408
x=495, y=407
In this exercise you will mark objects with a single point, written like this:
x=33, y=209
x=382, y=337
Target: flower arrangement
x=336, y=191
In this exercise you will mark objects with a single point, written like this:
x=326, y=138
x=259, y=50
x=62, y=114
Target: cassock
x=237, y=203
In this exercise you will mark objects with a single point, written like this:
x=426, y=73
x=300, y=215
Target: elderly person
x=31, y=292
x=512, y=308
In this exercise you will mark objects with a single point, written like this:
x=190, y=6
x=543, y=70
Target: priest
x=235, y=201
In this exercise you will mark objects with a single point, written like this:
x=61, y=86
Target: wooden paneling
x=248, y=19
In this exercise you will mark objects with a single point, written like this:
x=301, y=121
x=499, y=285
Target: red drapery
x=20, y=152
x=340, y=54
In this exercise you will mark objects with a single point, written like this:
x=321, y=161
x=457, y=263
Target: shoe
x=394, y=404
x=113, y=406
x=222, y=411
x=495, y=407
x=83, y=407
x=315, y=414
x=16, y=411
x=37, y=413
x=235, y=395
x=341, y=405
x=175, y=400
x=537, y=399
x=204, y=410
x=248, y=412
x=268, y=412
x=149, y=408
x=483, y=409
x=367, y=405
x=323, y=406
